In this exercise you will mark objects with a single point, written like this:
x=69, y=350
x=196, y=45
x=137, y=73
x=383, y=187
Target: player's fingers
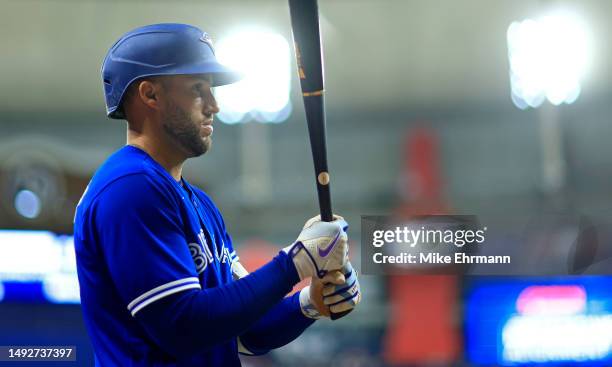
x=342, y=295
x=346, y=305
x=334, y=277
x=350, y=279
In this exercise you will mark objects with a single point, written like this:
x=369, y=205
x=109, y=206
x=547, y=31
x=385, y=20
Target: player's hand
x=345, y=296
x=311, y=297
x=337, y=292
x=321, y=247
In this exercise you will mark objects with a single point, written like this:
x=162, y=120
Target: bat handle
x=336, y=316
x=326, y=215
x=324, y=195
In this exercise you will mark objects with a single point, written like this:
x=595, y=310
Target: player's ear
x=148, y=93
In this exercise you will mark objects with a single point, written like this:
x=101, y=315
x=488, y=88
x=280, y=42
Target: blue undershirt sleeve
x=193, y=321
x=279, y=326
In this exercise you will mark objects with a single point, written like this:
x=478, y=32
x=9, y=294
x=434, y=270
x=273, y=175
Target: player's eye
x=197, y=88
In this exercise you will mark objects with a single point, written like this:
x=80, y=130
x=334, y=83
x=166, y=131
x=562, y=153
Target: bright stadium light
x=61, y=288
x=548, y=59
x=27, y=204
x=263, y=95
x=17, y=262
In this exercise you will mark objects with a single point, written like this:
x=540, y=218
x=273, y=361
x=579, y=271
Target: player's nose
x=211, y=107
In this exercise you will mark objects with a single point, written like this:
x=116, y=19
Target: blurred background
x=433, y=106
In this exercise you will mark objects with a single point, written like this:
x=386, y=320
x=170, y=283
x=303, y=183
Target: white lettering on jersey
x=198, y=257
x=204, y=245
x=225, y=258
x=218, y=255
x=202, y=254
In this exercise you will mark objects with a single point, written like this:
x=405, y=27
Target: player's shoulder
x=128, y=171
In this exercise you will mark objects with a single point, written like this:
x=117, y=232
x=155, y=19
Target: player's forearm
x=194, y=321
x=280, y=326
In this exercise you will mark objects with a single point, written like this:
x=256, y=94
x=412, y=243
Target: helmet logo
x=206, y=39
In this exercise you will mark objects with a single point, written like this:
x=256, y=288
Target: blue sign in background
x=490, y=303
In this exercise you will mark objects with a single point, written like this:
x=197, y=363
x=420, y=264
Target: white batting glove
x=320, y=247
x=345, y=296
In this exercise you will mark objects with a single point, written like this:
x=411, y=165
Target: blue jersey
x=146, y=246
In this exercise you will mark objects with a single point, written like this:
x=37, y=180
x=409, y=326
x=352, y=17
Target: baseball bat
x=308, y=52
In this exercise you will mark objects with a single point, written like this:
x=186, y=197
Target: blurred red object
x=423, y=325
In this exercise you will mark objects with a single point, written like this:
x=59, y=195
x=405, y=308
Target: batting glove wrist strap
x=308, y=308
x=320, y=247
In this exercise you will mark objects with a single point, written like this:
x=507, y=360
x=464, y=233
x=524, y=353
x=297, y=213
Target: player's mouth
x=206, y=128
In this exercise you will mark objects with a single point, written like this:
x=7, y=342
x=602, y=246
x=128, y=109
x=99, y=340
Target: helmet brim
x=221, y=75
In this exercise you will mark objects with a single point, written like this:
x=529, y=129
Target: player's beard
x=184, y=130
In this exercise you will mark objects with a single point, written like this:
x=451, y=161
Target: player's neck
x=167, y=157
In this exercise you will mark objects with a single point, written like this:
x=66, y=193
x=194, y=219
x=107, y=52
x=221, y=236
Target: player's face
x=187, y=116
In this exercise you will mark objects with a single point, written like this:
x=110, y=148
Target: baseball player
x=160, y=281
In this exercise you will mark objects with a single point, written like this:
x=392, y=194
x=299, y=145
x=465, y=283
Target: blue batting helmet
x=159, y=49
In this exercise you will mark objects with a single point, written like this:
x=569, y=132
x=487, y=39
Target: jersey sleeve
x=139, y=225
x=279, y=326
